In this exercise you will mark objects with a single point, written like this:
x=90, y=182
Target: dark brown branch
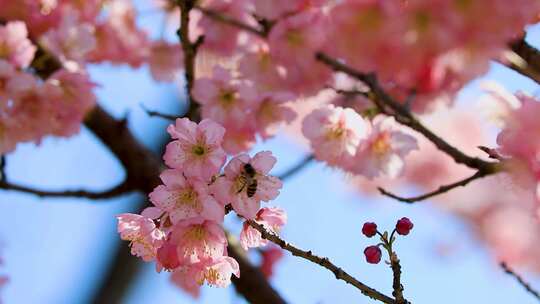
x=152, y=113
x=521, y=281
x=190, y=52
x=324, y=262
x=396, y=281
x=530, y=67
x=440, y=190
x=255, y=290
x=389, y=106
x=121, y=189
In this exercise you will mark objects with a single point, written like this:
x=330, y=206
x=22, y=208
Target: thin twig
x=152, y=113
x=231, y=21
x=121, y=189
x=440, y=190
x=3, y=163
x=520, y=280
x=296, y=168
x=324, y=262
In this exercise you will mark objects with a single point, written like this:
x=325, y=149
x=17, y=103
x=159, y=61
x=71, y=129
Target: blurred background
x=59, y=250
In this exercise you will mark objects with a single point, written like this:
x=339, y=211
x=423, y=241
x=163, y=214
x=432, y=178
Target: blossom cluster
x=45, y=47
x=343, y=138
x=431, y=47
x=182, y=231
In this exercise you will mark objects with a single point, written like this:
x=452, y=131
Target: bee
x=248, y=180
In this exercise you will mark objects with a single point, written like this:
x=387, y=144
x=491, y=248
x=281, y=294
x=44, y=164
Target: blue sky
x=55, y=249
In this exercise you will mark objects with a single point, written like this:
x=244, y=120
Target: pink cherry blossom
x=239, y=139
x=119, y=40
x=72, y=40
x=270, y=257
x=145, y=238
x=272, y=112
x=232, y=187
x=223, y=99
x=216, y=272
x=272, y=220
x=182, y=198
x=15, y=47
x=335, y=133
x=259, y=67
x=196, y=149
x=165, y=60
x=294, y=42
x=384, y=151
x=523, y=123
x=273, y=10
x=184, y=278
x=167, y=257
x=198, y=240
x=218, y=37
x=72, y=97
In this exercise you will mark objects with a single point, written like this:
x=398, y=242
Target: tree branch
x=530, y=66
x=440, y=190
x=152, y=113
x=324, y=262
x=520, y=280
x=391, y=107
x=121, y=189
x=296, y=168
x=190, y=52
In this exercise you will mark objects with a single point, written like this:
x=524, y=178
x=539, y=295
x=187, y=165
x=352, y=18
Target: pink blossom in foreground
x=185, y=198
x=272, y=220
x=222, y=98
x=216, y=272
x=335, y=133
x=270, y=257
x=145, y=238
x=165, y=60
x=196, y=149
x=15, y=47
x=184, y=278
x=198, y=240
x=232, y=187
x=384, y=151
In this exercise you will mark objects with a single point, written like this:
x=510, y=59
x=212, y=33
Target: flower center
x=188, y=198
x=199, y=150
x=197, y=233
x=381, y=145
x=227, y=98
x=212, y=276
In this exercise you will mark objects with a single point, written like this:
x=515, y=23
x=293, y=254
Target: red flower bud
x=404, y=226
x=369, y=229
x=373, y=254
x=167, y=256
